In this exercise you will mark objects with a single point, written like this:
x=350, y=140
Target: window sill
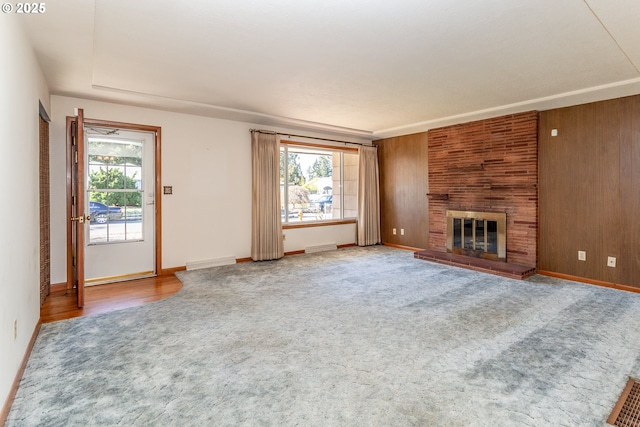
x=288, y=226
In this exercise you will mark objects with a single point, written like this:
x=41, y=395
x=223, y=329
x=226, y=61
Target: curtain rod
x=271, y=132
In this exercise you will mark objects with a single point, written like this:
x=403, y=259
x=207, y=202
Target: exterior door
x=120, y=196
x=113, y=177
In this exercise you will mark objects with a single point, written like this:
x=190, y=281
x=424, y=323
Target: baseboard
x=16, y=382
x=294, y=252
x=590, y=281
x=55, y=287
x=406, y=248
x=171, y=271
x=348, y=245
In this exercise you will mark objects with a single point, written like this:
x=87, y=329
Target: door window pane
x=114, y=180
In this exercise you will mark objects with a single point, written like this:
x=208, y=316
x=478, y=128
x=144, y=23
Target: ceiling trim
x=226, y=113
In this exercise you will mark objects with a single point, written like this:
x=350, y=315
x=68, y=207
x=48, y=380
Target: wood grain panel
x=608, y=118
x=386, y=163
x=629, y=255
x=589, y=195
x=403, y=187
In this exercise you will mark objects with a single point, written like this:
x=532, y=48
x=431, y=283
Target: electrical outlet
x=611, y=261
x=402, y=231
x=582, y=256
x=394, y=231
x=15, y=329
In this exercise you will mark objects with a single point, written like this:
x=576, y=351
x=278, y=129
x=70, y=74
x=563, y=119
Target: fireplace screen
x=481, y=234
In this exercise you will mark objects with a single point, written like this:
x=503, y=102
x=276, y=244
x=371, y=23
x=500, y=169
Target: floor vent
x=195, y=265
x=321, y=248
x=626, y=413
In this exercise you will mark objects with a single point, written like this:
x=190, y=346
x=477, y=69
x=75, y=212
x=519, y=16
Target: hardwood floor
x=61, y=305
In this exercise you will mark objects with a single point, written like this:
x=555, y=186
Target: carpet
x=354, y=337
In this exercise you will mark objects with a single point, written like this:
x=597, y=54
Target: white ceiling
x=369, y=68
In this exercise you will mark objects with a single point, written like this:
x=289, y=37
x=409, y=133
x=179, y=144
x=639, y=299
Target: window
x=317, y=183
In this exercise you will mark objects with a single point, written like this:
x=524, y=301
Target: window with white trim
x=317, y=183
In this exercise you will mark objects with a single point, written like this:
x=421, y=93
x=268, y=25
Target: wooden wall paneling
x=590, y=192
x=381, y=167
x=629, y=254
x=568, y=209
x=608, y=124
x=632, y=198
x=403, y=188
x=386, y=198
x=392, y=182
x=585, y=208
x=551, y=215
x=631, y=201
x=416, y=223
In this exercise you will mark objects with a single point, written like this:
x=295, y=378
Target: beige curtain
x=266, y=223
x=368, y=197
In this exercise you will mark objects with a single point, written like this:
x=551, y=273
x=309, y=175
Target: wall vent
x=321, y=248
x=196, y=265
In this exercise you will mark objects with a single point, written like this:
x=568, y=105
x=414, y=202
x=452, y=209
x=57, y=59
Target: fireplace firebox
x=479, y=234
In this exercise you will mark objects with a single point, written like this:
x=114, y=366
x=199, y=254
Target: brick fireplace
x=487, y=166
x=479, y=234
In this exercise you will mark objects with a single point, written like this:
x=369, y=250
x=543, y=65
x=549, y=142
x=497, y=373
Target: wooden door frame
x=157, y=130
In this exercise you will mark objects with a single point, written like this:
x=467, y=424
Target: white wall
x=208, y=163
x=21, y=87
x=299, y=238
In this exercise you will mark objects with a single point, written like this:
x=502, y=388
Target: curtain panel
x=266, y=223
x=368, y=197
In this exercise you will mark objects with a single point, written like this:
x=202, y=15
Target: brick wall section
x=490, y=166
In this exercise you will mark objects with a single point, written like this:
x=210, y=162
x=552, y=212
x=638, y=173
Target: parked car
x=323, y=204
x=101, y=213
x=292, y=214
